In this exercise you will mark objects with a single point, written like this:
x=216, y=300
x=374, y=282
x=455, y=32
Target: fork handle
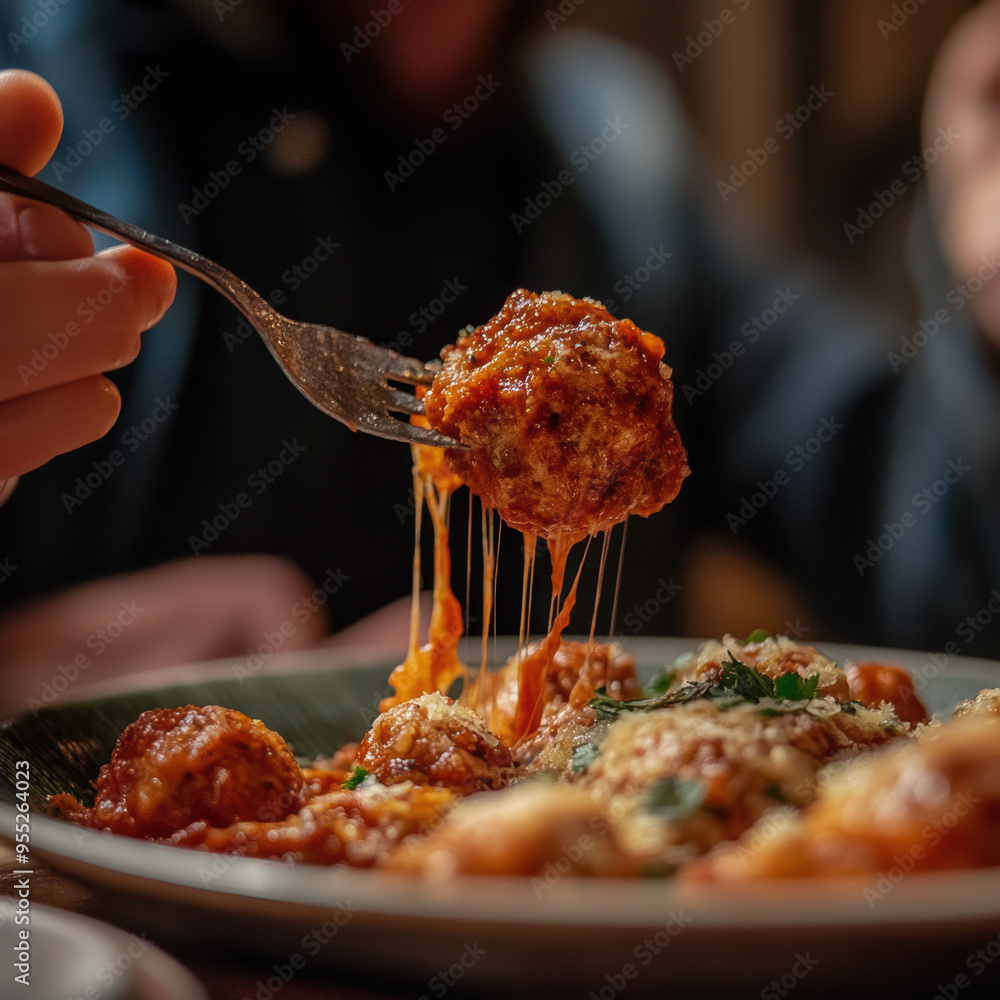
x=250, y=303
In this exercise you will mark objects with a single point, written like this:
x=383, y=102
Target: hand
x=182, y=612
x=66, y=315
x=962, y=115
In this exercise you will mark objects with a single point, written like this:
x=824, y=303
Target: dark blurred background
x=739, y=69
x=762, y=66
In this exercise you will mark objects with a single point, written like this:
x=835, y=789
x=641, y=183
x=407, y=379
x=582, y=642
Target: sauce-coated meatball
x=432, y=741
x=567, y=415
x=174, y=766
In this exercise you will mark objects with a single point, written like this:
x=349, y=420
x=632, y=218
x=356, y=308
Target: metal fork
x=346, y=376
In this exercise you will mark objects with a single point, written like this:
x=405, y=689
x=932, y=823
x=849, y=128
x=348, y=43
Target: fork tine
x=403, y=369
x=385, y=426
x=403, y=402
x=424, y=435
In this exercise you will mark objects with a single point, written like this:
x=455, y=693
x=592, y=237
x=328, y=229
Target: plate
x=71, y=956
x=594, y=936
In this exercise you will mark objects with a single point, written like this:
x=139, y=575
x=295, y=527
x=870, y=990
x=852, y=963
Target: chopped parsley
x=673, y=797
x=548, y=359
x=794, y=687
x=745, y=682
x=736, y=684
x=355, y=779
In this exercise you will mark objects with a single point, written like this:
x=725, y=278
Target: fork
x=346, y=376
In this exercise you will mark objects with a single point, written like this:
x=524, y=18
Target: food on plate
x=432, y=741
x=566, y=417
x=750, y=758
x=174, y=766
x=927, y=803
x=562, y=761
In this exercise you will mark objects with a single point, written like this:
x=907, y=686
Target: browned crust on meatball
x=174, y=766
x=432, y=741
x=567, y=415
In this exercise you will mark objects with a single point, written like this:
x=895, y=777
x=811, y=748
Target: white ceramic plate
x=586, y=935
x=70, y=956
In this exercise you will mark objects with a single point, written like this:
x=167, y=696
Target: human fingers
x=62, y=321
x=41, y=425
x=31, y=120
x=31, y=230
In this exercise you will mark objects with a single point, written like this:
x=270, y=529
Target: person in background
x=397, y=181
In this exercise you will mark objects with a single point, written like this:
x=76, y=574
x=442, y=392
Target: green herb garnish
x=660, y=684
x=794, y=687
x=737, y=683
x=355, y=779
x=745, y=682
x=608, y=708
x=757, y=635
x=675, y=797
x=584, y=755
x=548, y=359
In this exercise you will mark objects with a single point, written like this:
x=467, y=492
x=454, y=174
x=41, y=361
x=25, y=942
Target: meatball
x=534, y=829
x=174, y=766
x=873, y=683
x=432, y=741
x=922, y=805
x=566, y=413
x=985, y=705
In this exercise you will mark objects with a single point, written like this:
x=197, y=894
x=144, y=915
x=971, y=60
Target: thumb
x=30, y=125
x=31, y=120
